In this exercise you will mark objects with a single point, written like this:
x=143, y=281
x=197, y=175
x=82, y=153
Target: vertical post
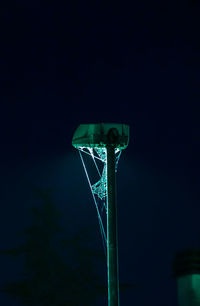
x=112, y=252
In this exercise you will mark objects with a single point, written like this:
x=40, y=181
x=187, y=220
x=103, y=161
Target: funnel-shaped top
x=101, y=135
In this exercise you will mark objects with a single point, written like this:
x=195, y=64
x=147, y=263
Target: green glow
x=189, y=290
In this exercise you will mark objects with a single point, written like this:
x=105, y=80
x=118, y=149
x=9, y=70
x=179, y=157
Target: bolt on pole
x=112, y=245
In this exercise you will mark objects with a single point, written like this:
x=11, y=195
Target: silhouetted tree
x=57, y=271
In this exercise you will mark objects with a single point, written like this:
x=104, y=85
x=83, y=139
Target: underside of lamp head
x=101, y=135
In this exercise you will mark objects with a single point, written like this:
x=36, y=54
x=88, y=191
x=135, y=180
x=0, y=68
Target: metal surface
x=112, y=247
x=96, y=135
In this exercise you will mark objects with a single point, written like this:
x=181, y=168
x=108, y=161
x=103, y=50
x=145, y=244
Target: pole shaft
x=112, y=251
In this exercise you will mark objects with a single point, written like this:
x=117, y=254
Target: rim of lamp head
x=101, y=135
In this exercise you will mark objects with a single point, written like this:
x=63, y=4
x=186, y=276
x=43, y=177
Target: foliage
x=58, y=271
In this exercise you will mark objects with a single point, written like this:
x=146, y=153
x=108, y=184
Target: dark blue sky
x=62, y=64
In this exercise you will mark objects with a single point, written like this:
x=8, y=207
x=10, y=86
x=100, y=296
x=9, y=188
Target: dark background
x=63, y=63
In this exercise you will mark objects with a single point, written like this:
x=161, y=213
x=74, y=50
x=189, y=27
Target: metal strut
x=112, y=246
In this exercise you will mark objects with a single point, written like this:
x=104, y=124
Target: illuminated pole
x=109, y=136
x=112, y=248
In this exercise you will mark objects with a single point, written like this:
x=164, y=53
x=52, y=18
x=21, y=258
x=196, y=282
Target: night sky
x=63, y=63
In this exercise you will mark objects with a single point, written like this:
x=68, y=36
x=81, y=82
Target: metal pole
x=112, y=252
